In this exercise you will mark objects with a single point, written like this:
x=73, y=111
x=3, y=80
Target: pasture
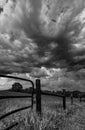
x=53, y=116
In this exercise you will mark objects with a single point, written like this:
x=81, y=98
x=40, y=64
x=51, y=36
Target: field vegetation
x=53, y=116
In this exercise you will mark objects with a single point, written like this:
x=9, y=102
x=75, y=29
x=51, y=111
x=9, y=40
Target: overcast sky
x=41, y=33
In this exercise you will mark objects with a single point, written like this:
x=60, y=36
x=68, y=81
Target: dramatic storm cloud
x=36, y=33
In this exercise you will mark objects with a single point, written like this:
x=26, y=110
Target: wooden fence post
x=64, y=99
x=38, y=96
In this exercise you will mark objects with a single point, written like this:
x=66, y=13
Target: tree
x=17, y=87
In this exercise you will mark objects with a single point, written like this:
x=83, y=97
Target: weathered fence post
x=64, y=99
x=38, y=96
x=71, y=98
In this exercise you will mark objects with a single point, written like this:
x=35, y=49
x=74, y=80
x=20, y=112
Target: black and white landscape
x=43, y=39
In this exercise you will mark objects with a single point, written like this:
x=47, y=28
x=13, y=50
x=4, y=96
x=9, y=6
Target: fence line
x=14, y=77
x=38, y=98
x=19, y=109
x=7, y=97
x=63, y=96
x=14, y=111
x=39, y=93
x=51, y=94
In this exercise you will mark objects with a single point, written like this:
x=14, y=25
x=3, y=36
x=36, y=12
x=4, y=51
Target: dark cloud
x=41, y=33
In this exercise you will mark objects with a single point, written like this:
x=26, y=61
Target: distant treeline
x=75, y=94
x=17, y=87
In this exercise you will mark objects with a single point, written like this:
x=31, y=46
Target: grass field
x=53, y=116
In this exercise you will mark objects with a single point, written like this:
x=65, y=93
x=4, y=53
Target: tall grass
x=53, y=117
